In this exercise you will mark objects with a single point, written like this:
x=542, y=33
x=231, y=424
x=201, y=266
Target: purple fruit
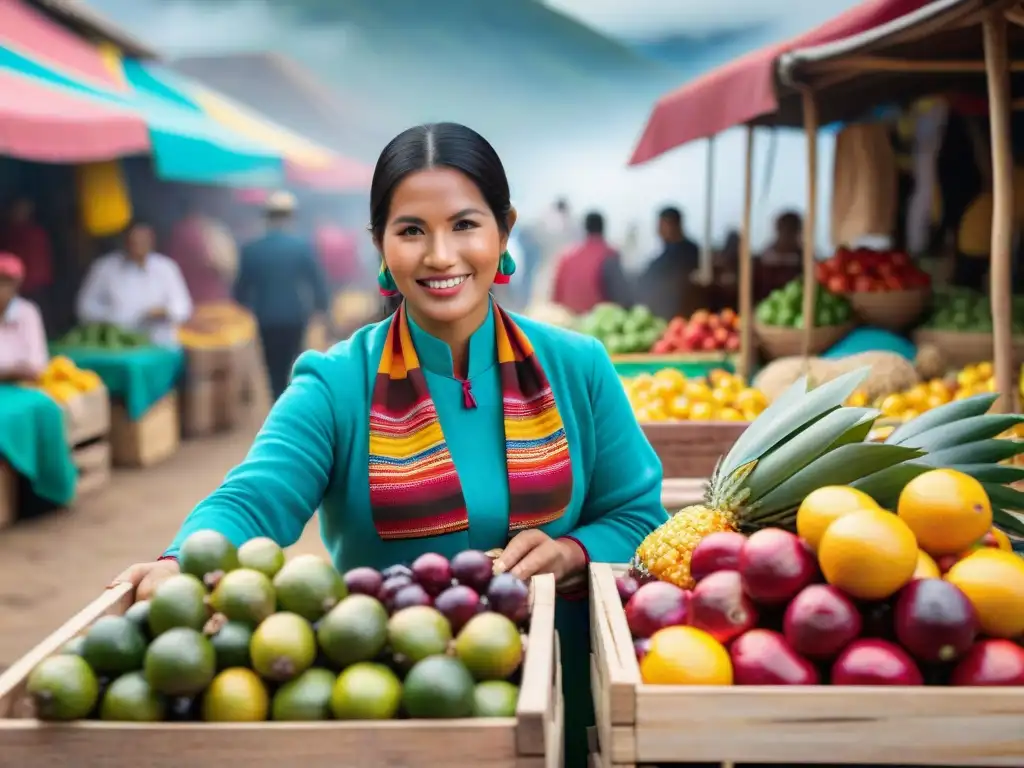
x=820, y=622
x=655, y=606
x=640, y=647
x=390, y=588
x=474, y=569
x=459, y=604
x=509, y=596
x=627, y=587
x=410, y=595
x=432, y=572
x=396, y=570
x=364, y=581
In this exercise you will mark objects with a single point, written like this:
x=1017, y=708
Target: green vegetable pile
x=623, y=331
x=965, y=311
x=784, y=307
x=102, y=336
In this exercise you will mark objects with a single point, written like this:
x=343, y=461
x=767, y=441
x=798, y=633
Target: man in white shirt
x=137, y=290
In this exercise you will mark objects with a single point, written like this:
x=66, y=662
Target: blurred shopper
x=781, y=262
x=555, y=232
x=137, y=289
x=22, y=236
x=206, y=253
x=591, y=272
x=665, y=283
x=23, y=351
x=282, y=283
x=338, y=251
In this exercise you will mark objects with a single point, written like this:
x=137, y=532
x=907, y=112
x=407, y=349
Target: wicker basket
x=892, y=310
x=961, y=349
x=692, y=448
x=776, y=342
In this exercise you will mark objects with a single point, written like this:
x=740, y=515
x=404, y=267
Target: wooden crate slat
x=691, y=449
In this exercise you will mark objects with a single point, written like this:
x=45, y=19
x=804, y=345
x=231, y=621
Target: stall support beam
x=994, y=33
x=707, y=251
x=745, y=365
x=810, y=109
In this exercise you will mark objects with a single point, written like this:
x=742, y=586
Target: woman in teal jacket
x=452, y=424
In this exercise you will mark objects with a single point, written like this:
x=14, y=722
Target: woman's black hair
x=434, y=145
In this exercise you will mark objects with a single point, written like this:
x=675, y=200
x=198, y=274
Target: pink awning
x=50, y=125
x=342, y=174
x=744, y=89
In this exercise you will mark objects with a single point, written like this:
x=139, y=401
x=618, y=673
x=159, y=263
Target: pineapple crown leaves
x=730, y=492
x=942, y=416
x=791, y=412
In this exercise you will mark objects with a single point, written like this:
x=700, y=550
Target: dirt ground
x=53, y=566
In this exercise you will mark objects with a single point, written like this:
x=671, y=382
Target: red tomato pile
x=703, y=332
x=862, y=270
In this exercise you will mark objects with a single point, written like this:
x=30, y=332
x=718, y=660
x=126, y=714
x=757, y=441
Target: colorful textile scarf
x=414, y=489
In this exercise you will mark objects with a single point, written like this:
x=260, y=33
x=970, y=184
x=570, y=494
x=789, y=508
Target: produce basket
x=892, y=310
x=776, y=342
x=531, y=739
x=640, y=723
x=691, y=365
x=961, y=349
x=692, y=448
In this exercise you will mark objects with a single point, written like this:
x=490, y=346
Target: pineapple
x=807, y=439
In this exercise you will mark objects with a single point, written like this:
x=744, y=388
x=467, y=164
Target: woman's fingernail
x=113, y=584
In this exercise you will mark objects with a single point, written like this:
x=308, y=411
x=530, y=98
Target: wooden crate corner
x=151, y=439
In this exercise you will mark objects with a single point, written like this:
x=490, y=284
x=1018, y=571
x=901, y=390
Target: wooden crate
x=679, y=492
x=88, y=417
x=640, y=723
x=93, y=461
x=690, y=449
x=212, y=405
x=531, y=739
x=8, y=499
x=148, y=441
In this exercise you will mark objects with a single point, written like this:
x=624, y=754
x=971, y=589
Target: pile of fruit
x=930, y=595
x=669, y=395
x=962, y=310
x=102, y=336
x=703, y=332
x=64, y=381
x=862, y=270
x=783, y=308
x=622, y=331
x=222, y=324
x=244, y=636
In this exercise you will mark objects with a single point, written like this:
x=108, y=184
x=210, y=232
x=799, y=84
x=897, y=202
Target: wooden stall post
x=744, y=365
x=1000, y=287
x=810, y=109
x=707, y=251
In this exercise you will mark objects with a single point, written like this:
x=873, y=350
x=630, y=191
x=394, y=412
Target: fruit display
x=622, y=331
x=806, y=440
x=703, y=332
x=64, y=381
x=244, y=636
x=783, y=308
x=960, y=310
x=222, y=324
x=889, y=372
x=669, y=395
x=102, y=336
x=928, y=594
x=864, y=270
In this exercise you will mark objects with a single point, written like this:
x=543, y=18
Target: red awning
x=50, y=125
x=33, y=33
x=744, y=89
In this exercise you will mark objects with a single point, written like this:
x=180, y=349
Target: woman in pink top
x=23, y=351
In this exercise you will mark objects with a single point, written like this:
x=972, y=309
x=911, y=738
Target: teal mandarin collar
x=436, y=356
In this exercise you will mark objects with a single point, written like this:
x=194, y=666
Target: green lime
x=366, y=691
x=495, y=698
x=63, y=687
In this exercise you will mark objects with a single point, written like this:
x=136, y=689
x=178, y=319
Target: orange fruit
x=821, y=507
x=947, y=510
x=685, y=656
x=926, y=567
x=869, y=554
x=993, y=581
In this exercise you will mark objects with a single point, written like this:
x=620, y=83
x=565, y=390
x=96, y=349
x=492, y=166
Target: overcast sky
x=655, y=18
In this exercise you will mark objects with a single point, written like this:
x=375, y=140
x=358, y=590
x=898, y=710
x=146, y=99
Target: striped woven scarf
x=414, y=489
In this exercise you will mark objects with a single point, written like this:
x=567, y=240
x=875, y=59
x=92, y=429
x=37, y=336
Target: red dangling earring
x=506, y=268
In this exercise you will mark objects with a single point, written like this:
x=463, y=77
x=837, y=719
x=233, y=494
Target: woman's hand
x=533, y=551
x=146, y=577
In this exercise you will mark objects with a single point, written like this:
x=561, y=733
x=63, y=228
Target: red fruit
x=627, y=587
x=709, y=344
x=363, y=581
x=661, y=347
x=991, y=662
x=640, y=648
x=509, y=596
x=875, y=662
x=473, y=568
x=433, y=572
x=935, y=621
x=391, y=587
x=719, y=606
x=458, y=604
x=763, y=657
x=721, y=336
x=716, y=552
x=838, y=284
x=410, y=595
x=820, y=622
x=945, y=562
x=657, y=605
x=775, y=566
x=732, y=343
x=863, y=284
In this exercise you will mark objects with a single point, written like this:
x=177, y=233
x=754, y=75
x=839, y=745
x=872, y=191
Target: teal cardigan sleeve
x=277, y=488
x=623, y=502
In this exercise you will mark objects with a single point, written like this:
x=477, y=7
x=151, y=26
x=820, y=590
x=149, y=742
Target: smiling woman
x=452, y=424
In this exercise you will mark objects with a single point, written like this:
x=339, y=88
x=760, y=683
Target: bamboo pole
x=861, y=64
x=810, y=109
x=706, y=251
x=994, y=34
x=745, y=364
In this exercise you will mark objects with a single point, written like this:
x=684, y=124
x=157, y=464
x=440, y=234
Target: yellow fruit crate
x=531, y=739
x=796, y=725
